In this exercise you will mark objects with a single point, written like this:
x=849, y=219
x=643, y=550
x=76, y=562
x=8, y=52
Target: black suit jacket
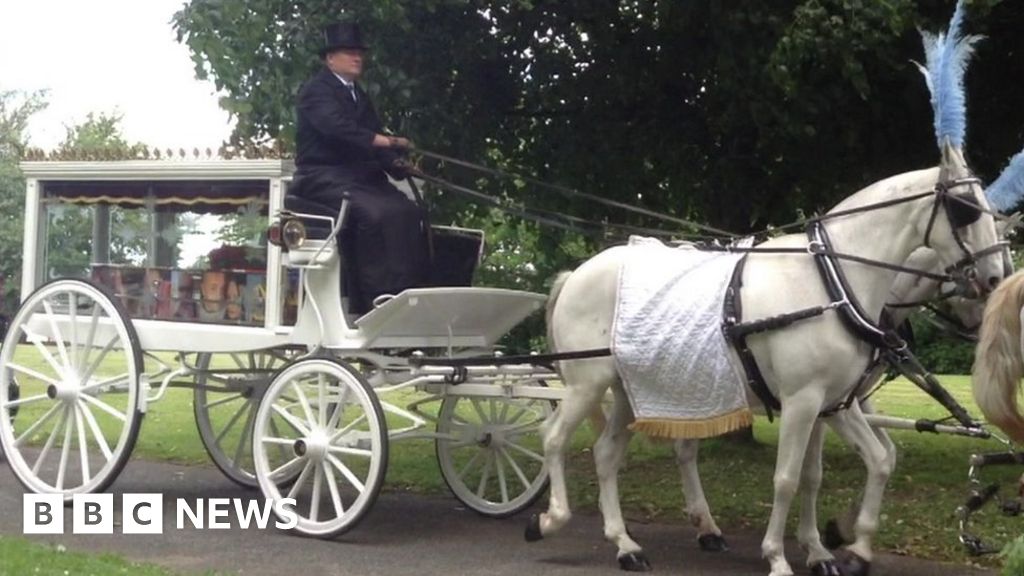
x=335, y=133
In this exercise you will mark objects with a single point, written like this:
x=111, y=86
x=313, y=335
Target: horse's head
x=961, y=228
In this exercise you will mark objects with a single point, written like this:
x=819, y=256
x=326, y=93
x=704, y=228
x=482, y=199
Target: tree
x=16, y=108
x=69, y=233
x=741, y=114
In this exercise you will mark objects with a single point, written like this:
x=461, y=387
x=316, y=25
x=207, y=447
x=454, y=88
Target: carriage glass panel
x=185, y=250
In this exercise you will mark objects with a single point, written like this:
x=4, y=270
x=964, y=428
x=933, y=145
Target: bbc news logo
x=144, y=514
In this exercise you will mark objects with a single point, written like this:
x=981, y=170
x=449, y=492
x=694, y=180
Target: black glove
x=401, y=169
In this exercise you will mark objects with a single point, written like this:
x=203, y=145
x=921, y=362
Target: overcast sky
x=108, y=56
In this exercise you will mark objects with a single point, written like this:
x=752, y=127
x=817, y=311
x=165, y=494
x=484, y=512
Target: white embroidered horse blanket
x=668, y=343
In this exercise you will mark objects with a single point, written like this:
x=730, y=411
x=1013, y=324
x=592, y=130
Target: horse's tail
x=556, y=289
x=998, y=365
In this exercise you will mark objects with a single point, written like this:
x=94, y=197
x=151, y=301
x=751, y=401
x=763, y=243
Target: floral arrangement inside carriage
x=168, y=250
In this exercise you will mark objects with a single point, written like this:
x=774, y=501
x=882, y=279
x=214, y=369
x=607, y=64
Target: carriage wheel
x=70, y=400
x=228, y=391
x=490, y=454
x=320, y=419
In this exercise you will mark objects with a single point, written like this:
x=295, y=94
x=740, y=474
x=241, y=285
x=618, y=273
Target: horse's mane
x=946, y=57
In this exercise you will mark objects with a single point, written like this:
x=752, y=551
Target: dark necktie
x=352, y=90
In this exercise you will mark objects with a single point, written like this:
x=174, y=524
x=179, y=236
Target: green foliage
x=1013, y=557
x=15, y=110
x=737, y=114
x=941, y=352
x=69, y=232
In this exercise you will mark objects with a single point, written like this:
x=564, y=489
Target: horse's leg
x=820, y=560
x=581, y=396
x=840, y=532
x=609, y=454
x=796, y=422
x=851, y=425
x=709, y=536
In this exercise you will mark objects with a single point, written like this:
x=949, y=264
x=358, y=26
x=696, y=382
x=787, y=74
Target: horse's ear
x=962, y=209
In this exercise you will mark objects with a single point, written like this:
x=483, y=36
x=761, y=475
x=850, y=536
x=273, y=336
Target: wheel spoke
x=524, y=427
x=216, y=403
x=339, y=407
x=73, y=325
x=103, y=354
x=62, y=469
x=301, y=479
x=30, y=372
x=321, y=408
x=101, y=440
x=274, y=430
x=93, y=322
x=479, y=411
x=515, y=467
x=348, y=427
x=350, y=451
x=465, y=469
x=37, y=341
x=39, y=423
x=289, y=418
x=332, y=486
x=518, y=415
x=246, y=434
x=348, y=474
x=83, y=447
x=57, y=337
x=231, y=423
x=304, y=403
x=525, y=451
x=314, y=500
x=277, y=441
x=286, y=466
x=27, y=400
x=105, y=407
x=111, y=382
x=49, y=442
x=485, y=476
x=501, y=480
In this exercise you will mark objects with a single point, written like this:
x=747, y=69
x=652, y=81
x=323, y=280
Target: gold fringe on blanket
x=705, y=428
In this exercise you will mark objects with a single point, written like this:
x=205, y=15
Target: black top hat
x=341, y=35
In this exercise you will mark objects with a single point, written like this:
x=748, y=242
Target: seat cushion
x=316, y=229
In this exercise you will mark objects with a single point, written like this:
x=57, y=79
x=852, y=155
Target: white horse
x=809, y=366
x=908, y=288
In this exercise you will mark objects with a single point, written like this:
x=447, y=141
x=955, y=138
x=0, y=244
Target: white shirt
x=350, y=85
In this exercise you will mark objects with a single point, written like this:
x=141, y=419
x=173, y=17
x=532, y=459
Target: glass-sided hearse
x=140, y=276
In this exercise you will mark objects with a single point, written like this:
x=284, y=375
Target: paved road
x=407, y=535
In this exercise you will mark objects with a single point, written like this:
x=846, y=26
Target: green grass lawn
x=20, y=557
x=918, y=513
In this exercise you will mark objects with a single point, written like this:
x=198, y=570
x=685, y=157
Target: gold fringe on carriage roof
x=248, y=152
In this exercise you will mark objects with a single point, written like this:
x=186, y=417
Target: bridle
x=961, y=209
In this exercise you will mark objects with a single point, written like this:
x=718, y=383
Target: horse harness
x=888, y=345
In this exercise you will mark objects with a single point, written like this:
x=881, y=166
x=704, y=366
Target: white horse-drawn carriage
x=291, y=394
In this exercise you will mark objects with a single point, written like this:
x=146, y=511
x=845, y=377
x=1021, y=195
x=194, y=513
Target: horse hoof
x=634, y=562
x=827, y=568
x=833, y=537
x=712, y=543
x=854, y=565
x=533, y=532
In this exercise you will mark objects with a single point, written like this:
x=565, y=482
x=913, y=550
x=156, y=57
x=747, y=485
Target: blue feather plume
x=1008, y=190
x=946, y=56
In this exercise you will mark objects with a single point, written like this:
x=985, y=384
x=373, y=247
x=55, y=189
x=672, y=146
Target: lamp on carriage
x=288, y=234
